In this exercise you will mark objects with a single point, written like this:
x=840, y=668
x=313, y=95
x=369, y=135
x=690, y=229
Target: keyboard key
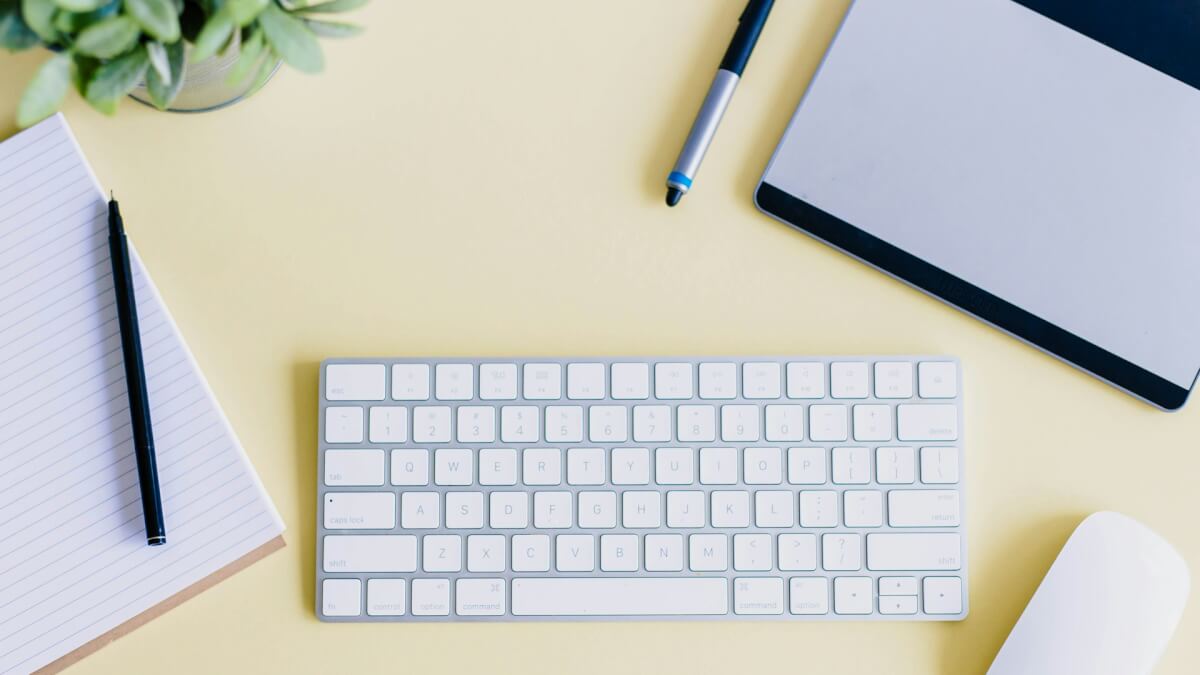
x=685, y=508
x=498, y=381
x=431, y=424
x=486, y=553
x=355, y=381
x=673, y=381
x=757, y=596
x=809, y=595
x=476, y=424
x=552, y=510
x=343, y=424
x=630, y=466
x=827, y=422
x=652, y=423
x=697, y=423
x=441, y=553
x=872, y=423
x=464, y=510
x=887, y=551
x=410, y=467
x=585, y=381
x=708, y=552
x=585, y=466
x=455, y=381
x=760, y=380
x=608, y=424
x=420, y=510
x=341, y=597
x=386, y=597
x=939, y=465
x=530, y=553
x=923, y=508
x=739, y=423
x=943, y=595
x=674, y=466
x=543, y=381
x=818, y=508
x=927, y=422
x=806, y=380
x=797, y=552
x=893, y=379
x=630, y=381
x=389, y=424
x=718, y=466
x=370, y=553
x=479, y=597
x=937, y=379
x=519, y=424
x=851, y=466
x=509, y=510
x=619, y=553
x=862, y=508
x=841, y=552
x=620, y=597
x=360, y=510
x=353, y=467
x=895, y=465
x=897, y=585
x=848, y=380
x=898, y=604
x=730, y=508
x=785, y=423
x=564, y=423
x=752, y=552
x=497, y=466
x=453, y=466
x=430, y=597
x=852, y=595
x=575, y=552
x=664, y=553
x=718, y=380
x=542, y=466
x=410, y=382
x=806, y=466
x=597, y=510
x=641, y=509
x=762, y=466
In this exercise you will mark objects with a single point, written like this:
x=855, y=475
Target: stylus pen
x=750, y=25
x=135, y=378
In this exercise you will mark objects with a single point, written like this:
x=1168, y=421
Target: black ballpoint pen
x=750, y=25
x=135, y=378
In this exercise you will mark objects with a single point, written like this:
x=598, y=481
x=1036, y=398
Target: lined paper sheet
x=74, y=562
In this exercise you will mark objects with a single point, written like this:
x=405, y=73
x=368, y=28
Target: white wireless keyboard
x=716, y=487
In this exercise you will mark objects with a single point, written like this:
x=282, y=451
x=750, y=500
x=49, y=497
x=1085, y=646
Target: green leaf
x=159, y=60
x=80, y=5
x=156, y=17
x=332, y=6
x=110, y=37
x=266, y=68
x=292, y=40
x=163, y=90
x=69, y=23
x=46, y=91
x=245, y=11
x=332, y=29
x=117, y=78
x=39, y=16
x=15, y=34
x=252, y=49
x=214, y=34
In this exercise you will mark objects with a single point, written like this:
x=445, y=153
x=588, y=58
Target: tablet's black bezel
x=969, y=298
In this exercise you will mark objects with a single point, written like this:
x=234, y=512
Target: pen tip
x=673, y=196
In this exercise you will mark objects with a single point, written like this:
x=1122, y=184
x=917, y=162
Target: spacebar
x=611, y=596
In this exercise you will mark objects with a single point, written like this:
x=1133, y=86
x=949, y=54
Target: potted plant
x=110, y=48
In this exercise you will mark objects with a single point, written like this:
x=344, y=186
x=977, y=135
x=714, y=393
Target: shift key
x=915, y=551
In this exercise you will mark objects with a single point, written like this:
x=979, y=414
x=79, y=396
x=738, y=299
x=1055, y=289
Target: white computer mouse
x=1108, y=605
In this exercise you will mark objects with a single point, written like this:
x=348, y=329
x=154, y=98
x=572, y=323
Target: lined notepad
x=74, y=564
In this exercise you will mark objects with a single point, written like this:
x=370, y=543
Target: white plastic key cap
x=673, y=381
x=818, y=508
x=564, y=423
x=708, y=552
x=386, y=597
x=797, y=552
x=697, y=423
x=762, y=466
x=851, y=466
x=943, y=595
x=674, y=466
x=774, y=508
x=630, y=381
x=630, y=466
x=479, y=597
x=343, y=424
x=410, y=467
x=508, y=510
x=360, y=510
x=923, y=508
x=827, y=422
x=641, y=509
x=685, y=508
x=388, y=424
x=718, y=466
x=841, y=552
x=906, y=551
x=585, y=466
x=608, y=423
x=937, y=379
x=862, y=508
x=430, y=597
x=420, y=510
x=806, y=380
x=893, y=379
x=530, y=553
x=718, y=380
x=752, y=552
x=928, y=422
x=740, y=423
x=620, y=597
x=519, y=424
x=441, y=553
x=497, y=466
x=575, y=552
x=848, y=379
x=898, y=604
x=898, y=586
x=486, y=553
x=355, y=381
x=464, y=510
x=431, y=424
x=552, y=510
x=806, y=466
x=353, y=467
x=784, y=423
x=453, y=466
x=757, y=596
x=454, y=381
x=541, y=466
x=852, y=595
x=370, y=553
x=652, y=423
x=872, y=423
x=809, y=595
x=476, y=424
x=895, y=465
x=939, y=465
x=543, y=381
x=410, y=382
x=498, y=381
x=664, y=553
x=597, y=510
x=585, y=381
x=341, y=597
x=619, y=552
x=761, y=380
x=730, y=508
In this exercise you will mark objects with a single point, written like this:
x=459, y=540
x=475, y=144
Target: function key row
x=632, y=381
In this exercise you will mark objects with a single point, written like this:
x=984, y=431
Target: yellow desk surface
x=486, y=178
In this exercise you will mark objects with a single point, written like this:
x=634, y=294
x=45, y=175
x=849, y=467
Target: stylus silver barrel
x=704, y=128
